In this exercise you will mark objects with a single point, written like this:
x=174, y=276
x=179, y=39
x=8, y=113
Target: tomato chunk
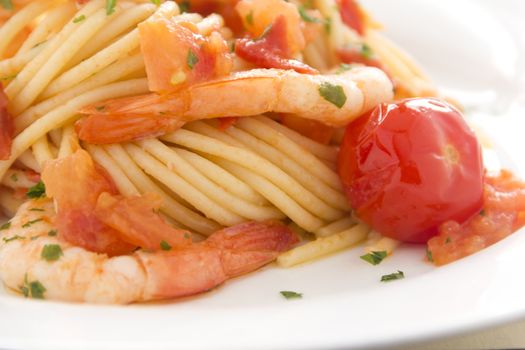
x=407, y=167
x=352, y=15
x=7, y=127
x=503, y=213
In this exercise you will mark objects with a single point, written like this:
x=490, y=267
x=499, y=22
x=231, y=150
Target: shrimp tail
x=225, y=254
x=105, y=129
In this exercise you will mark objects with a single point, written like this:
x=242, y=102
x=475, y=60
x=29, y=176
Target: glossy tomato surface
x=409, y=166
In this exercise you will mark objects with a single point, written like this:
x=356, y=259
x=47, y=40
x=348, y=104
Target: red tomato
x=407, y=167
x=352, y=15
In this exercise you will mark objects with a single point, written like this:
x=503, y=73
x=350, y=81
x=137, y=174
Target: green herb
x=374, y=257
x=333, y=94
x=100, y=108
x=393, y=276
x=14, y=177
x=36, y=209
x=343, y=67
x=156, y=2
x=52, y=233
x=14, y=238
x=249, y=18
x=34, y=238
x=31, y=222
x=366, y=51
x=187, y=235
x=5, y=226
x=191, y=59
x=482, y=212
x=165, y=245
x=79, y=19
x=328, y=25
x=291, y=295
x=429, y=256
x=37, y=191
x=184, y=6
x=448, y=240
x=306, y=17
x=7, y=4
x=110, y=6
x=232, y=46
x=51, y=252
x=9, y=77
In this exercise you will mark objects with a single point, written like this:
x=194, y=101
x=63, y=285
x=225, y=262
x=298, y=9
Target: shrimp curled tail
x=334, y=100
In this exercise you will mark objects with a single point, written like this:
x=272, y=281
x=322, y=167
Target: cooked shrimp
x=37, y=261
x=334, y=100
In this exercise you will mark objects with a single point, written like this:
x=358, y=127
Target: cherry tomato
x=409, y=166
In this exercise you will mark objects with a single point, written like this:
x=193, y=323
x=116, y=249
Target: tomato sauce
x=503, y=213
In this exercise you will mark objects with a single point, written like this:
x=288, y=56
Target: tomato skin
x=409, y=166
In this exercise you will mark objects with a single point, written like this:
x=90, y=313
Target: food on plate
x=154, y=149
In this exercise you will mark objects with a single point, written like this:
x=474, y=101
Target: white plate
x=474, y=49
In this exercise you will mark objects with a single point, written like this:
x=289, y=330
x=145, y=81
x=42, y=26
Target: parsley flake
x=31, y=222
x=291, y=295
x=482, y=212
x=110, y=6
x=429, y=256
x=36, y=209
x=156, y=2
x=366, y=51
x=37, y=191
x=374, y=257
x=9, y=77
x=52, y=233
x=7, y=4
x=5, y=226
x=14, y=177
x=14, y=238
x=51, y=252
x=191, y=59
x=328, y=25
x=333, y=94
x=34, y=238
x=306, y=17
x=249, y=18
x=79, y=19
x=184, y=6
x=100, y=108
x=448, y=240
x=165, y=245
x=393, y=276
x=343, y=67
x=187, y=235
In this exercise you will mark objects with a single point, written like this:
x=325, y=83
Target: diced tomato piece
x=226, y=122
x=503, y=213
x=352, y=15
x=271, y=51
x=310, y=128
x=7, y=127
x=137, y=223
x=75, y=183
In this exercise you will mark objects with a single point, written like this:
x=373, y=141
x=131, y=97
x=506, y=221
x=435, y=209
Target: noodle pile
x=57, y=56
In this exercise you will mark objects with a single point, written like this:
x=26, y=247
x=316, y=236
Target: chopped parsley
x=448, y=240
x=184, y=6
x=9, y=77
x=36, y=209
x=291, y=295
x=482, y=212
x=5, y=226
x=191, y=59
x=33, y=289
x=374, y=257
x=110, y=6
x=51, y=252
x=37, y=191
x=393, y=276
x=7, y=4
x=333, y=94
x=156, y=2
x=306, y=17
x=79, y=19
x=366, y=51
x=100, y=108
x=14, y=238
x=14, y=177
x=429, y=256
x=249, y=18
x=31, y=222
x=187, y=235
x=52, y=233
x=343, y=67
x=165, y=245
x=34, y=238
x=328, y=25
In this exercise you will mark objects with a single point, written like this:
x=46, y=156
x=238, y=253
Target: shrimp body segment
x=83, y=276
x=334, y=100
